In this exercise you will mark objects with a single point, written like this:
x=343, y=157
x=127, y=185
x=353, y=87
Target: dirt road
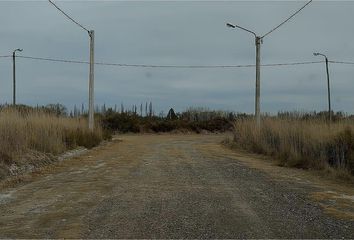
x=165, y=186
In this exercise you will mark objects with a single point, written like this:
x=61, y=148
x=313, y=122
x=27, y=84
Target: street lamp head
x=18, y=49
x=320, y=54
x=230, y=25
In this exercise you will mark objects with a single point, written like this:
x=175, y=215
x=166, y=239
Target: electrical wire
x=166, y=66
x=342, y=62
x=173, y=66
x=52, y=59
x=133, y=65
x=286, y=20
x=291, y=64
x=70, y=18
x=5, y=56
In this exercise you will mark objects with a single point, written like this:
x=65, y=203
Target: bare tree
x=150, y=109
x=121, y=108
x=146, y=109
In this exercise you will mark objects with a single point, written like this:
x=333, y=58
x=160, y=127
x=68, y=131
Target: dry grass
x=300, y=143
x=22, y=132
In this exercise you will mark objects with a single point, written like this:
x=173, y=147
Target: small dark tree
x=57, y=109
x=171, y=115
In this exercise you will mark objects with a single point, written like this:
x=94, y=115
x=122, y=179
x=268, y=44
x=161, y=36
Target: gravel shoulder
x=174, y=186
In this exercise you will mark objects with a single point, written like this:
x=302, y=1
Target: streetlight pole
x=14, y=74
x=328, y=87
x=258, y=81
x=91, y=80
x=258, y=41
x=91, y=34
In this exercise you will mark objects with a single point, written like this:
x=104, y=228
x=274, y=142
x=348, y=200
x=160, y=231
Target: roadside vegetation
x=195, y=120
x=34, y=135
x=302, y=140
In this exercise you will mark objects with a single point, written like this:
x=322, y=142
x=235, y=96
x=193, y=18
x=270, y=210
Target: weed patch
x=305, y=143
x=24, y=130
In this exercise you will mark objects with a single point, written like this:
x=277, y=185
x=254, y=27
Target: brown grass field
x=34, y=132
x=310, y=144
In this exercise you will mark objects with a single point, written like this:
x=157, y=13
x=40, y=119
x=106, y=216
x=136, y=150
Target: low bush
x=193, y=121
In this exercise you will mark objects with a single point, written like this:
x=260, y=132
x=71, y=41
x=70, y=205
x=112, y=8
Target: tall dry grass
x=300, y=143
x=43, y=132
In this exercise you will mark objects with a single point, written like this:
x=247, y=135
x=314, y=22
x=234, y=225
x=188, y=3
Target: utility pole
x=91, y=80
x=258, y=81
x=14, y=74
x=14, y=78
x=328, y=87
x=259, y=41
x=91, y=34
x=328, y=94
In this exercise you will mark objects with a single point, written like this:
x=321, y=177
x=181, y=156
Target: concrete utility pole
x=258, y=41
x=258, y=81
x=14, y=74
x=328, y=94
x=328, y=87
x=91, y=34
x=91, y=80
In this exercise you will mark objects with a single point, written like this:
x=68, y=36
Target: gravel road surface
x=164, y=186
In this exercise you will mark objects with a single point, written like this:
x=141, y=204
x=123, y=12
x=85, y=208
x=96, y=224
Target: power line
x=70, y=18
x=342, y=62
x=53, y=59
x=172, y=66
x=134, y=65
x=291, y=64
x=166, y=66
x=286, y=20
x=5, y=56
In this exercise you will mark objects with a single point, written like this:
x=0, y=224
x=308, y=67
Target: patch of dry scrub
x=300, y=143
x=34, y=132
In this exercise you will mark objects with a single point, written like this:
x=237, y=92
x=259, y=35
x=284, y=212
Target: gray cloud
x=179, y=33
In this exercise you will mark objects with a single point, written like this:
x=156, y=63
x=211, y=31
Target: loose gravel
x=164, y=186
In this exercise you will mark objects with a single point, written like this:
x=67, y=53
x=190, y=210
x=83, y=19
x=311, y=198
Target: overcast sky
x=179, y=33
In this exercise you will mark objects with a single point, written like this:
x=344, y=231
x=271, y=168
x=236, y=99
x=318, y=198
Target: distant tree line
x=313, y=115
x=191, y=120
x=55, y=109
x=143, y=117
